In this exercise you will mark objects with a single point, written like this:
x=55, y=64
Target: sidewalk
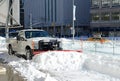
x=3, y=76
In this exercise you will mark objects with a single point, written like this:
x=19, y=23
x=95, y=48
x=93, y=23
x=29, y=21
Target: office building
x=105, y=17
x=22, y=12
x=56, y=16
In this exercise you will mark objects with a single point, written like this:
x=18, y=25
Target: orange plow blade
x=39, y=52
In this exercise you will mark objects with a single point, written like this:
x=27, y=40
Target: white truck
x=30, y=41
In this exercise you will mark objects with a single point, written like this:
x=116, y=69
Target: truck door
x=21, y=43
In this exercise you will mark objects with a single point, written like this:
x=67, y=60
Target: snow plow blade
x=39, y=52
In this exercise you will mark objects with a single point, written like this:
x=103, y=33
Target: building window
x=55, y=11
x=21, y=3
x=52, y=10
x=105, y=3
x=22, y=12
x=115, y=2
x=48, y=10
x=95, y=3
x=45, y=10
x=95, y=17
x=115, y=16
x=105, y=16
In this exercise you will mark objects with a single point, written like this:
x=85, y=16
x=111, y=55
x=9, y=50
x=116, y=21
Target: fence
x=110, y=47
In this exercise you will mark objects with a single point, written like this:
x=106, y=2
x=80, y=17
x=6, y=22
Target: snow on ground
x=3, y=44
x=69, y=66
x=59, y=61
x=82, y=68
x=70, y=44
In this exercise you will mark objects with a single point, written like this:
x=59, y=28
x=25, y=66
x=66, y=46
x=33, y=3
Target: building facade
x=105, y=17
x=56, y=16
x=22, y=12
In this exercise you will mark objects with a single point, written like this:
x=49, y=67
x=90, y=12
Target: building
x=105, y=17
x=56, y=16
x=22, y=12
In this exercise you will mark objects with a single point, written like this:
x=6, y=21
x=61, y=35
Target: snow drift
x=68, y=66
x=59, y=61
x=3, y=44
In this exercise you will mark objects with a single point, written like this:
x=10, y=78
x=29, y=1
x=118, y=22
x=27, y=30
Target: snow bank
x=106, y=64
x=3, y=44
x=89, y=45
x=29, y=72
x=59, y=61
x=68, y=44
x=19, y=69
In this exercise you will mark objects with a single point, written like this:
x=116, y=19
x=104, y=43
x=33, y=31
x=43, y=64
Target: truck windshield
x=32, y=34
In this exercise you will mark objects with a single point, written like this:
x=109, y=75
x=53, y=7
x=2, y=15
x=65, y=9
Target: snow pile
x=68, y=44
x=107, y=64
x=25, y=68
x=3, y=44
x=89, y=44
x=59, y=61
x=30, y=72
x=83, y=75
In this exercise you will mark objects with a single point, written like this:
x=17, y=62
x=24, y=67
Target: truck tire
x=28, y=54
x=10, y=50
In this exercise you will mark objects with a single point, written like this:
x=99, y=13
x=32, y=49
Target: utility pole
x=7, y=21
x=30, y=20
x=73, y=28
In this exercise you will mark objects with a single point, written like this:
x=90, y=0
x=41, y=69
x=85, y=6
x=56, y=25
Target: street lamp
x=31, y=21
x=73, y=28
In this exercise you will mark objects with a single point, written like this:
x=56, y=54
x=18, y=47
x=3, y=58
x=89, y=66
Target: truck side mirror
x=22, y=39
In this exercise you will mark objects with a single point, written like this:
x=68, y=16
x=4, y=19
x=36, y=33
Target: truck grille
x=52, y=45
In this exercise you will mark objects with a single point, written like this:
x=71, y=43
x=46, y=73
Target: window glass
x=105, y=16
x=95, y=17
x=115, y=15
x=115, y=2
x=95, y=3
x=105, y=3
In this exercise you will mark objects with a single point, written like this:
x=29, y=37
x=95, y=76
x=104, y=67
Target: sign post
x=73, y=28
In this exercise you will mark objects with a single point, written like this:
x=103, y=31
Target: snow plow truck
x=29, y=42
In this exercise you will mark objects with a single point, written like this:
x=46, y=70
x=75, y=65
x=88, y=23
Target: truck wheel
x=28, y=54
x=10, y=50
